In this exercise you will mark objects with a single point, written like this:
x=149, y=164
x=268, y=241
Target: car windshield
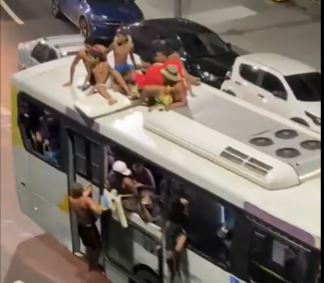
x=205, y=44
x=306, y=87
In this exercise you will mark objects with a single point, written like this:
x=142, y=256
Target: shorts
x=124, y=68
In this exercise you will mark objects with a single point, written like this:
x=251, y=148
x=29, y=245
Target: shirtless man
x=101, y=71
x=87, y=211
x=88, y=61
x=122, y=46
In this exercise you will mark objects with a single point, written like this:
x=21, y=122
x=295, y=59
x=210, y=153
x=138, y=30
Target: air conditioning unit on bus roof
x=267, y=169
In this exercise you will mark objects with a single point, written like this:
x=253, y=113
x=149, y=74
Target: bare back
x=82, y=210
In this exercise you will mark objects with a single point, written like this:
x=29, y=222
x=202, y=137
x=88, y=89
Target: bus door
x=135, y=251
x=88, y=159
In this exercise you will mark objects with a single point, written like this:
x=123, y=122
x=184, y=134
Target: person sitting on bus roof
x=101, y=72
x=87, y=212
x=170, y=95
x=166, y=54
x=122, y=47
x=88, y=61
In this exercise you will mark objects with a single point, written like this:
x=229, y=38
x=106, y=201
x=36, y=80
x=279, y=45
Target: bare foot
x=112, y=101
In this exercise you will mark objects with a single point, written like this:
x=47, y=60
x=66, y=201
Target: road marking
x=218, y=16
x=11, y=13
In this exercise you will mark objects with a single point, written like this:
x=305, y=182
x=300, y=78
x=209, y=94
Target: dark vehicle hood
x=116, y=10
x=217, y=65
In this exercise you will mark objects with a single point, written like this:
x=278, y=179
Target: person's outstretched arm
x=72, y=68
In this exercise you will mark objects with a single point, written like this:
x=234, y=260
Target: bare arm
x=72, y=68
x=180, y=243
x=96, y=208
x=131, y=54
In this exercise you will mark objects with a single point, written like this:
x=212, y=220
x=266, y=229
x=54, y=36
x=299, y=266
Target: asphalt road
x=27, y=253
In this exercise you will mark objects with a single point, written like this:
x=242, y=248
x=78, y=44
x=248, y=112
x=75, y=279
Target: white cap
x=121, y=167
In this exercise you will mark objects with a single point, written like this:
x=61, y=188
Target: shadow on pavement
x=48, y=263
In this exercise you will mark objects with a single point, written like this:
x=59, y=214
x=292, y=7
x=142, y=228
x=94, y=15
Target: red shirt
x=177, y=63
x=153, y=74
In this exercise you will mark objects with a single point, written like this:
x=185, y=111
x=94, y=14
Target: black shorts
x=90, y=236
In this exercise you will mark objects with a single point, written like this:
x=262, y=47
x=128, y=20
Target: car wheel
x=145, y=275
x=84, y=27
x=300, y=121
x=56, y=11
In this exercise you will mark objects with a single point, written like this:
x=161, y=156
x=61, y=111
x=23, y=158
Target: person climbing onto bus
x=87, y=211
x=88, y=61
x=175, y=235
x=122, y=47
x=143, y=175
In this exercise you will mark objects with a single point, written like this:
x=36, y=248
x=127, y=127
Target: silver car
x=48, y=48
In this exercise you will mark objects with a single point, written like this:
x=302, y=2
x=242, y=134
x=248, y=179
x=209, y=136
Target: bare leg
x=102, y=89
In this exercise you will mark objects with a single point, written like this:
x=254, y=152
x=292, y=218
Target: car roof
x=282, y=64
x=65, y=43
x=174, y=25
x=127, y=127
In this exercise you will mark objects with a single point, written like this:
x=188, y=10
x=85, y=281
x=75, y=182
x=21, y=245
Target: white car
x=279, y=84
x=49, y=48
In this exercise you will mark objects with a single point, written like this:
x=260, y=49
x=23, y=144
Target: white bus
x=252, y=179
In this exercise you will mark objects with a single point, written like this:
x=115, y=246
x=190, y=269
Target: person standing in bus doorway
x=176, y=237
x=87, y=211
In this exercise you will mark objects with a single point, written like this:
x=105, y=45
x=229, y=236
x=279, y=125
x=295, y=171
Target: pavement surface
x=27, y=253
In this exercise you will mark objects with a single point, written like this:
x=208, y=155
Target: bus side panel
x=203, y=271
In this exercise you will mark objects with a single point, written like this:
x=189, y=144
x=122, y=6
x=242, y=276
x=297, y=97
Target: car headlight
x=97, y=18
x=316, y=120
x=208, y=76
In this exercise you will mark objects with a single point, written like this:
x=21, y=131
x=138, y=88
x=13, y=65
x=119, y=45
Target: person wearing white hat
x=120, y=178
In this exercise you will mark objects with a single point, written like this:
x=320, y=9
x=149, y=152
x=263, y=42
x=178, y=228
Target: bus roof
x=298, y=206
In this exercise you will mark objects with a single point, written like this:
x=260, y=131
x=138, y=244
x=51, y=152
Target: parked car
x=280, y=84
x=100, y=17
x=48, y=48
x=203, y=52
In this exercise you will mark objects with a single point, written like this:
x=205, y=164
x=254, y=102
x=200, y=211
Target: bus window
x=211, y=226
x=87, y=159
x=40, y=130
x=276, y=260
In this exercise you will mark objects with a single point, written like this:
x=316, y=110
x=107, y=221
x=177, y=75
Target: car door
x=272, y=94
x=246, y=83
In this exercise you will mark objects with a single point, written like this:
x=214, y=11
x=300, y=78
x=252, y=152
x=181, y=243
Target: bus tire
x=300, y=121
x=144, y=273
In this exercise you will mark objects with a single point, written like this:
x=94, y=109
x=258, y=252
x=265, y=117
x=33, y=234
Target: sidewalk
x=252, y=25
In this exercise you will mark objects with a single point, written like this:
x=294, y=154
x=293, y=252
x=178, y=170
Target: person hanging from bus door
x=88, y=61
x=176, y=237
x=87, y=211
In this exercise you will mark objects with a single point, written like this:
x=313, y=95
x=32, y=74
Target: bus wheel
x=145, y=275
